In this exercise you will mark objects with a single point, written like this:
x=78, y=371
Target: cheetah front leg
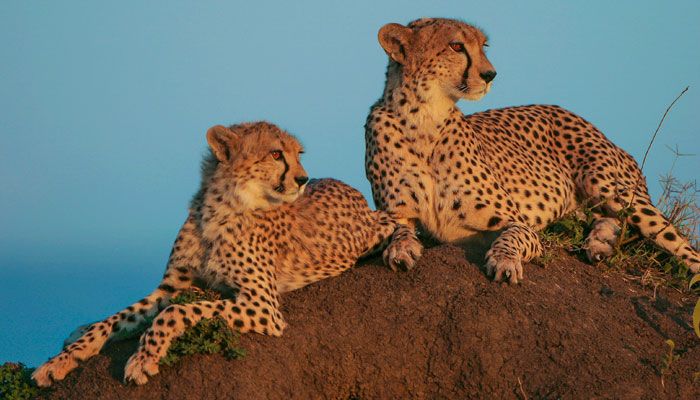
x=187, y=252
x=252, y=310
x=517, y=244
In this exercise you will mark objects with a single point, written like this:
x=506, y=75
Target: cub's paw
x=139, y=367
x=501, y=267
x=601, y=242
x=55, y=369
x=404, y=250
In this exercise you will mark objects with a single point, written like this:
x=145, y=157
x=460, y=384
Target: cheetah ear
x=222, y=140
x=395, y=38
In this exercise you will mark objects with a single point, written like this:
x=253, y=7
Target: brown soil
x=440, y=331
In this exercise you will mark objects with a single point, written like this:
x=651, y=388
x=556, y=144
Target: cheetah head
x=439, y=55
x=258, y=164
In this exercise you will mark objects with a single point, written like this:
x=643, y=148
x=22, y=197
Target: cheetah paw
x=55, y=369
x=601, y=242
x=139, y=368
x=403, y=253
x=501, y=267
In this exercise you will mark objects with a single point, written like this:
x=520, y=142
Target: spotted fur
x=507, y=172
x=250, y=233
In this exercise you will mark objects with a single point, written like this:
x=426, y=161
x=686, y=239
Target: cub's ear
x=222, y=141
x=395, y=38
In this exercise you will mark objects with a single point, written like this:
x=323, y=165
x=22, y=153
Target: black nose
x=300, y=180
x=488, y=76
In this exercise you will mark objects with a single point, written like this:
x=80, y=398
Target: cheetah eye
x=457, y=46
x=276, y=154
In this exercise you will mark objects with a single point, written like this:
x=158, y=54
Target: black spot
x=493, y=221
x=670, y=236
x=166, y=288
x=647, y=211
x=238, y=323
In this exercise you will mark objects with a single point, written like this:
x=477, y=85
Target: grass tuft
x=209, y=336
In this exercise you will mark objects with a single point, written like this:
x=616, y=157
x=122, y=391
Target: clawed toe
x=403, y=255
x=501, y=268
x=139, y=368
x=54, y=370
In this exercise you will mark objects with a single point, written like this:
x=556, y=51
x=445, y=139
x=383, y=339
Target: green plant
x=195, y=294
x=696, y=311
x=668, y=359
x=209, y=336
x=16, y=382
x=569, y=233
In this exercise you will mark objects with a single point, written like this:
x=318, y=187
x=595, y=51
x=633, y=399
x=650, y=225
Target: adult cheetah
x=501, y=173
x=250, y=232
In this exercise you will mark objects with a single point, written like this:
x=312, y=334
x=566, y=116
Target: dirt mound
x=440, y=331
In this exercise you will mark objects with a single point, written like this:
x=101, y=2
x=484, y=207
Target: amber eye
x=276, y=154
x=456, y=46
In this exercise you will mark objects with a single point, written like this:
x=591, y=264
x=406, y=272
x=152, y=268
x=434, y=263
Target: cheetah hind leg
x=404, y=250
x=645, y=217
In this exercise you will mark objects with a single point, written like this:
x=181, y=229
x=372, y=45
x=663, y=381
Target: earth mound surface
x=442, y=330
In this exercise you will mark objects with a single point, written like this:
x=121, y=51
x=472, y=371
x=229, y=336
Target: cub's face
x=260, y=161
x=442, y=54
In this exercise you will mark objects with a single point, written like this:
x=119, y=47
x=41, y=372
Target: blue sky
x=105, y=106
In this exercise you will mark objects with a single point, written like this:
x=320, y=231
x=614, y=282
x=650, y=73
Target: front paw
x=55, y=369
x=139, y=367
x=403, y=252
x=502, y=267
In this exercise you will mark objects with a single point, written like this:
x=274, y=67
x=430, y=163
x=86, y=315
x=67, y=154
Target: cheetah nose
x=488, y=76
x=301, y=180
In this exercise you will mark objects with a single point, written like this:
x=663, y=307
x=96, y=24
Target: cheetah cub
x=256, y=228
x=505, y=173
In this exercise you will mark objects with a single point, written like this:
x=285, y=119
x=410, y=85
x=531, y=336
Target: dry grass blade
x=644, y=160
